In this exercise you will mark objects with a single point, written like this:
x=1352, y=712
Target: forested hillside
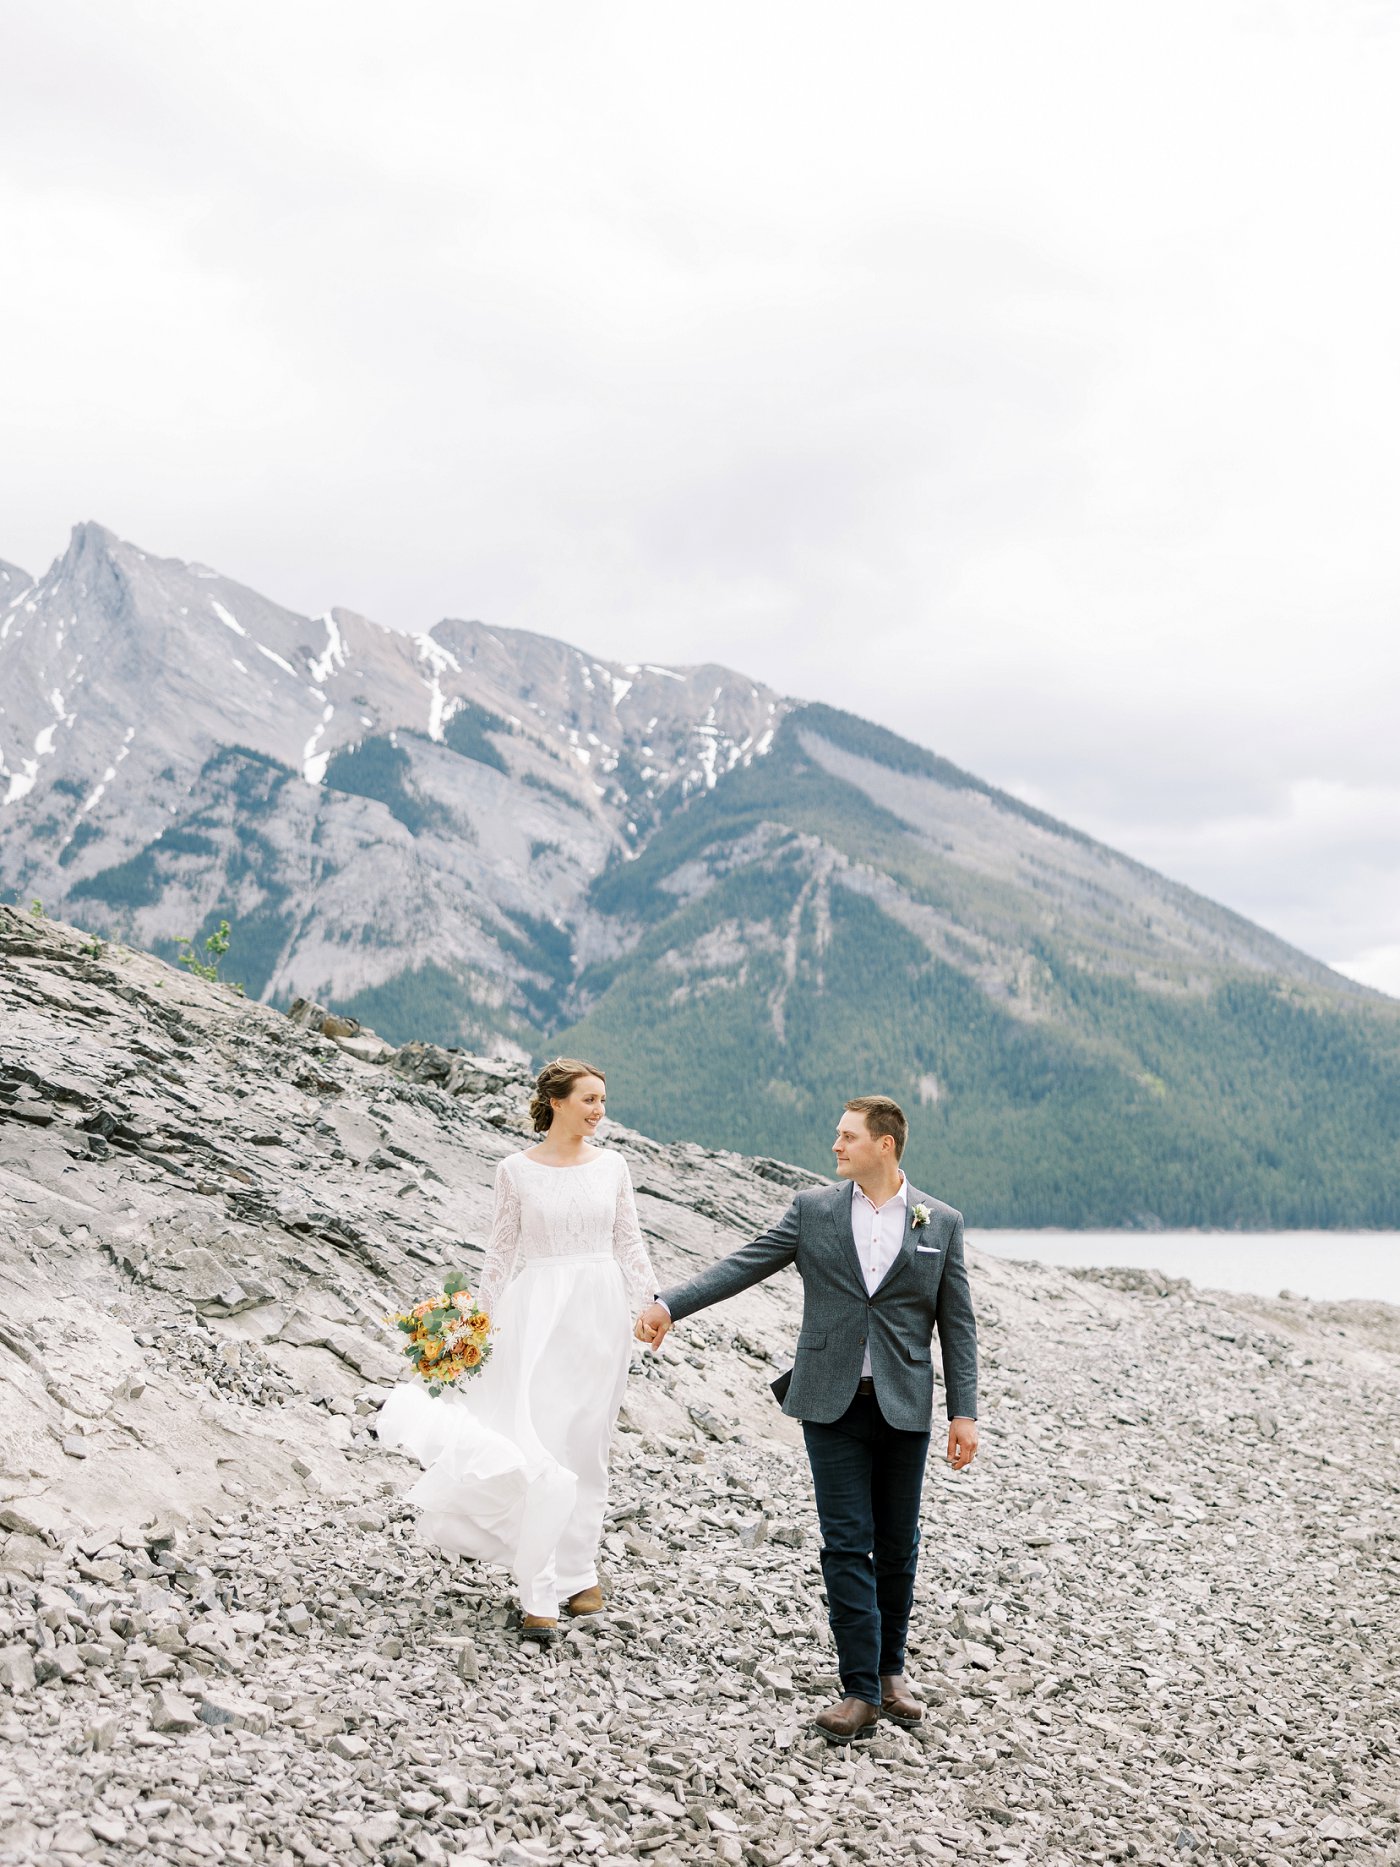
x=802, y=943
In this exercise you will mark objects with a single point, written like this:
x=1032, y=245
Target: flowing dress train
x=516, y=1459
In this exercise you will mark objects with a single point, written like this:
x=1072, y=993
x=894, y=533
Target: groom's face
x=857, y=1151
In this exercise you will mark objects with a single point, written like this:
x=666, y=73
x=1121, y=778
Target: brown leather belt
x=865, y=1385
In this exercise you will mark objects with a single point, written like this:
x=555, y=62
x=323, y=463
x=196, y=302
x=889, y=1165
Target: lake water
x=1311, y=1264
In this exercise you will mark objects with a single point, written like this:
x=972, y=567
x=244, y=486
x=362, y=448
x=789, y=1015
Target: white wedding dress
x=516, y=1458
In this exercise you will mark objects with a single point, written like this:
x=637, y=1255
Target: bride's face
x=577, y=1115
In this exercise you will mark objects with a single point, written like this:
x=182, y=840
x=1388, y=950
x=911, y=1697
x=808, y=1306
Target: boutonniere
x=921, y=1216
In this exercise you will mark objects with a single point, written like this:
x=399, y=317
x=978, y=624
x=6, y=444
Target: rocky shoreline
x=1157, y=1620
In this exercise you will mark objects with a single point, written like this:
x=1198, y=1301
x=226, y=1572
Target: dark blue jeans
x=868, y=1477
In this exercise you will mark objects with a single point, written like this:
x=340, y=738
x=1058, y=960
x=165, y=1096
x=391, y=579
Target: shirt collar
x=901, y=1198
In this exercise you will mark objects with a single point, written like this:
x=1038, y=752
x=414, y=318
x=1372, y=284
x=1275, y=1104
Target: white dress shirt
x=879, y=1233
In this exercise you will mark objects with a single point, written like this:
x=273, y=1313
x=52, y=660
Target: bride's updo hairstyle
x=554, y=1082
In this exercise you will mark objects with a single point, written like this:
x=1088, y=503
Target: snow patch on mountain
x=313, y=763
x=439, y=660
x=333, y=655
x=107, y=775
x=22, y=781
x=229, y=621
x=272, y=655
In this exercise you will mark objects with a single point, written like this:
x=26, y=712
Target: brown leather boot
x=587, y=1601
x=897, y=1703
x=852, y=1718
x=538, y=1627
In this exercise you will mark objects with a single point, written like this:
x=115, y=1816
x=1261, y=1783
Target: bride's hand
x=652, y=1325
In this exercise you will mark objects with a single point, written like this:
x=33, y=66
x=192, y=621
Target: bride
x=516, y=1459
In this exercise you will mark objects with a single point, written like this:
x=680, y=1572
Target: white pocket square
x=934, y=1248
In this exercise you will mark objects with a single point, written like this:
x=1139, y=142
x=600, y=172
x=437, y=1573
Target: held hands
x=962, y=1443
x=653, y=1325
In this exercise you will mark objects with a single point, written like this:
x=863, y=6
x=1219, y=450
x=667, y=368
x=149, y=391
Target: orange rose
x=471, y=1355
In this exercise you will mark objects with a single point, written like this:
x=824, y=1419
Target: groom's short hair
x=883, y=1116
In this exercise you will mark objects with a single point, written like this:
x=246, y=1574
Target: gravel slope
x=1157, y=1620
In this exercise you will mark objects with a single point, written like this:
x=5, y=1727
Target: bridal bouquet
x=449, y=1335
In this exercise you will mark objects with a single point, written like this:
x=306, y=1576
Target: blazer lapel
x=905, y=1256
x=841, y=1219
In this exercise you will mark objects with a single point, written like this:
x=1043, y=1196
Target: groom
x=881, y=1264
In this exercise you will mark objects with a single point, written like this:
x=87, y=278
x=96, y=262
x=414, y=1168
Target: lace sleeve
x=503, y=1244
x=629, y=1248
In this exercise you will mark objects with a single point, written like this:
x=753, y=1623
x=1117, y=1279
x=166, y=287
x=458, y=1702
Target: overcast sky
x=1023, y=377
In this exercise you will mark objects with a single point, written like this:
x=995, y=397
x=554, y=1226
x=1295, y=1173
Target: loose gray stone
x=173, y=1712
x=218, y=1708
x=74, y=1838
x=17, y=1669
x=63, y=1663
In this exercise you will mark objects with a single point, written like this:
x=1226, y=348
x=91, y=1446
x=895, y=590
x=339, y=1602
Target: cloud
x=1378, y=967
x=1021, y=377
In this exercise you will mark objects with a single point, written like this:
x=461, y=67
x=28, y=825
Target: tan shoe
x=538, y=1627
x=852, y=1718
x=586, y=1601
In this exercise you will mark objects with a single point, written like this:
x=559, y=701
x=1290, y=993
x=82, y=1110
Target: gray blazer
x=926, y=1286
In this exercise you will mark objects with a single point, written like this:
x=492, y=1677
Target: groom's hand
x=652, y=1325
x=962, y=1443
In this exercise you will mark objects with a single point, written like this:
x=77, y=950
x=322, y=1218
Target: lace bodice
x=546, y=1212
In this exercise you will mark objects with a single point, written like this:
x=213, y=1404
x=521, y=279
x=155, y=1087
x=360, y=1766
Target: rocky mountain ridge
x=363, y=802
x=1154, y=1621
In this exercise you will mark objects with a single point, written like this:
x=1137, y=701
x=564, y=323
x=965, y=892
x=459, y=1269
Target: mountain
x=745, y=907
x=1079, y=1041
x=411, y=822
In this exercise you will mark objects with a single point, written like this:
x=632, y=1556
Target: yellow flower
x=481, y=1323
x=471, y=1355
